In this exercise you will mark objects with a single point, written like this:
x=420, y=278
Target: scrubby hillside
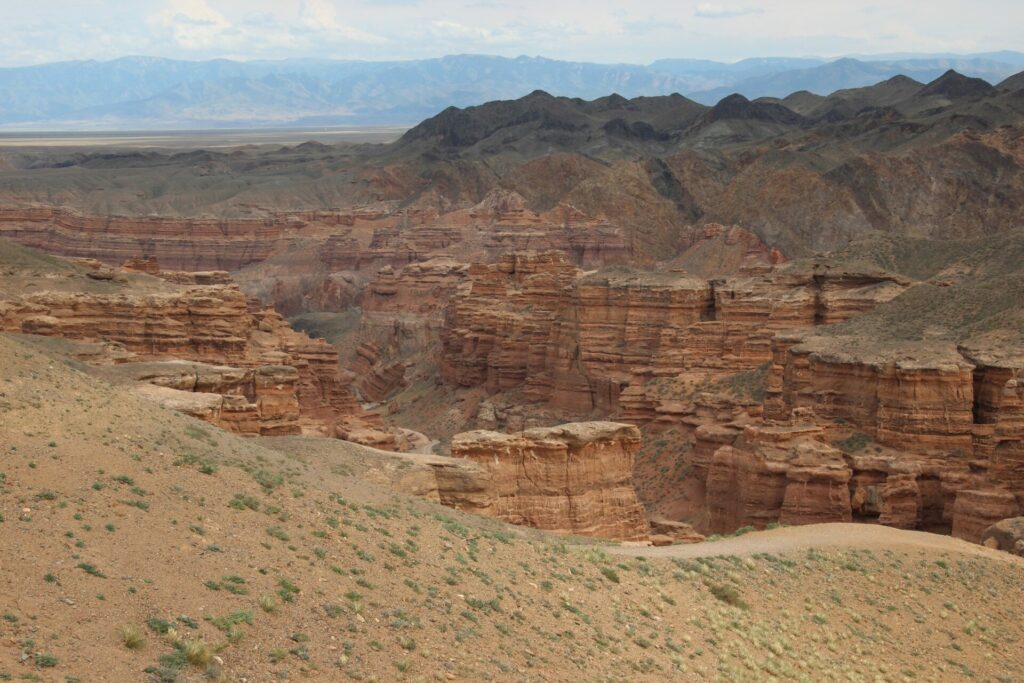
x=139, y=544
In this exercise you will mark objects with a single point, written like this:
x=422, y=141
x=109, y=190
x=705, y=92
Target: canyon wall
x=359, y=239
x=591, y=342
x=260, y=376
x=924, y=436
x=575, y=478
x=914, y=435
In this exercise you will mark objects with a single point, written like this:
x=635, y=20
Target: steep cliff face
x=209, y=324
x=777, y=474
x=496, y=329
x=582, y=342
x=930, y=432
x=575, y=478
x=848, y=428
x=252, y=372
x=181, y=243
x=400, y=325
x=905, y=396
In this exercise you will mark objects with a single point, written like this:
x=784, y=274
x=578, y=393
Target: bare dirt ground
x=832, y=536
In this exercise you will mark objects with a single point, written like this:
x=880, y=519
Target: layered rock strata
x=575, y=478
x=929, y=437
x=357, y=239
x=583, y=342
x=260, y=401
x=270, y=379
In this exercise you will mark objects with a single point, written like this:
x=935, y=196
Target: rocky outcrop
x=977, y=510
x=357, y=239
x=259, y=401
x=777, y=474
x=401, y=321
x=496, y=330
x=889, y=433
x=998, y=433
x=246, y=370
x=209, y=324
x=1007, y=534
x=903, y=395
x=575, y=478
x=182, y=243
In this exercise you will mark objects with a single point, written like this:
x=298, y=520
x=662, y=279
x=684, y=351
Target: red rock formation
x=902, y=395
x=148, y=265
x=184, y=243
x=777, y=474
x=285, y=380
x=575, y=478
x=209, y=324
x=946, y=421
x=358, y=239
x=259, y=401
x=497, y=327
x=977, y=510
x=999, y=411
x=581, y=343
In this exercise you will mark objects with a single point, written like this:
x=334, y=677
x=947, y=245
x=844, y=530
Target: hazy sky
x=38, y=31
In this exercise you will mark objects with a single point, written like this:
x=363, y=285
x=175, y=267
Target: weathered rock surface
x=977, y=510
x=583, y=342
x=357, y=239
x=249, y=370
x=575, y=478
x=1007, y=534
x=261, y=400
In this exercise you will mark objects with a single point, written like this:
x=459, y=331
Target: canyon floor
x=148, y=541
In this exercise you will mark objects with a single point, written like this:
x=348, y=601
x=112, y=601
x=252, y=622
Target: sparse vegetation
x=132, y=637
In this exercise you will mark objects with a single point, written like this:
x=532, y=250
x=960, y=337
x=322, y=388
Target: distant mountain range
x=140, y=93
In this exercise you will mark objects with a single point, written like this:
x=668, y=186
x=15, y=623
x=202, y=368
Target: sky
x=604, y=31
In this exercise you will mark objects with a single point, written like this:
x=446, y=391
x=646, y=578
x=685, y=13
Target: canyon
x=793, y=311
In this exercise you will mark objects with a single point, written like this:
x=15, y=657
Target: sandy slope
x=834, y=536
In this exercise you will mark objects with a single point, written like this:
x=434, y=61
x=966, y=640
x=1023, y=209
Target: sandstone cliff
x=575, y=478
x=245, y=368
x=581, y=342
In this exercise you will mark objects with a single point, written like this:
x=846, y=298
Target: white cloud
x=711, y=10
x=193, y=24
x=320, y=16
x=453, y=30
x=582, y=30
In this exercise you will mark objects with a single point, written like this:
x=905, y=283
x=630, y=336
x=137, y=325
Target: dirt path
x=798, y=538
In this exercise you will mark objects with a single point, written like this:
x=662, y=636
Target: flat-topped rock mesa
x=251, y=372
x=581, y=342
x=574, y=478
